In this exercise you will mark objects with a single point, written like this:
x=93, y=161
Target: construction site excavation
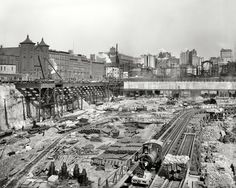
x=115, y=140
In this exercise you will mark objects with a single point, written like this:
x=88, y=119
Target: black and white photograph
x=117, y=94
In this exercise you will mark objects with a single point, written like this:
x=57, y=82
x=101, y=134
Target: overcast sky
x=138, y=26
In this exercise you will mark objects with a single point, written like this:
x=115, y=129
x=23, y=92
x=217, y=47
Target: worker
x=112, y=99
x=233, y=170
x=13, y=130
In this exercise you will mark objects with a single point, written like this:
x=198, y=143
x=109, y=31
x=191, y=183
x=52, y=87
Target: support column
x=53, y=108
x=78, y=101
x=28, y=109
x=39, y=108
x=81, y=103
x=108, y=93
x=23, y=106
x=57, y=105
x=125, y=93
x=146, y=93
x=153, y=93
x=62, y=107
x=73, y=107
x=43, y=113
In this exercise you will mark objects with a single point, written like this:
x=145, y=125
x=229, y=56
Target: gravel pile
x=175, y=159
x=219, y=174
x=211, y=133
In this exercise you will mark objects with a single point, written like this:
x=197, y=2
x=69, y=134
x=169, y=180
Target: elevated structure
x=194, y=87
x=53, y=98
x=182, y=85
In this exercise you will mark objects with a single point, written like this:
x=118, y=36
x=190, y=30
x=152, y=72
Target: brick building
x=30, y=59
x=97, y=71
x=75, y=67
x=226, y=54
x=125, y=63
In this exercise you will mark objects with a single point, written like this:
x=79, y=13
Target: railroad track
x=173, y=140
x=15, y=179
x=177, y=144
x=187, y=145
x=169, y=137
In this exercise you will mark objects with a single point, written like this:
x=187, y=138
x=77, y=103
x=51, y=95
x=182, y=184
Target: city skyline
x=137, y=26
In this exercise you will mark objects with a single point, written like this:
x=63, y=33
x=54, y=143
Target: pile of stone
x=95, y=138
x=219, y=174
x=210, y=146
x=85, y=150
x=211, y=133
x=175, y=159
x=90, y=131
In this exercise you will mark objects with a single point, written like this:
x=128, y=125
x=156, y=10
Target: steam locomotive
x=149, y=160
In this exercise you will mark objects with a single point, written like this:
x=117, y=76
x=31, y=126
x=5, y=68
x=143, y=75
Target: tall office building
x=226, y=55
x=149, y=61
x=184, y=58
x=235, y=51
x=192, y=57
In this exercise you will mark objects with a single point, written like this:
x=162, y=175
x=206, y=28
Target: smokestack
x=116, y=48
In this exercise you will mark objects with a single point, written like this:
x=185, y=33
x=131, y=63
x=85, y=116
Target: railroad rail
x=169, y=137
x=13, y=182
x=172, y=147
x=185, y=148
x=187, y=144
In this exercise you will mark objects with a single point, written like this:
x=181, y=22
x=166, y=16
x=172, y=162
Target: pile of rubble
x=216, y=167
x=219, y=173
x=211, y=133
x=175, y=159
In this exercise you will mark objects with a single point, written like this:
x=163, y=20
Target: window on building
x=1, y=68
x=12, y=68
x=4, y=68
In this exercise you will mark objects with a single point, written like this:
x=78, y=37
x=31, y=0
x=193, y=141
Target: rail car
x=149, y=160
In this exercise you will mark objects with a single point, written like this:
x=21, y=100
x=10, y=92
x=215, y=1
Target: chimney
x=92, y=57
x=71, y=52
x=116, y=47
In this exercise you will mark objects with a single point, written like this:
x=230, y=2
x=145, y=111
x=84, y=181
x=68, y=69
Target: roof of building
x=27, y=41
x=42, y=43
x=13, y=51
x=225, y=50
x=58, y=52
x=97, y=62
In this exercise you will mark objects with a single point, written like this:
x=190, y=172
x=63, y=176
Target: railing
x=115, y=176
x=180, y=80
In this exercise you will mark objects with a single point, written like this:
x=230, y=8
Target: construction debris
x=175, y=159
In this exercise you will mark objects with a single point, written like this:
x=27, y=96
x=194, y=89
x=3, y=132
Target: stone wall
x=14, y=108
